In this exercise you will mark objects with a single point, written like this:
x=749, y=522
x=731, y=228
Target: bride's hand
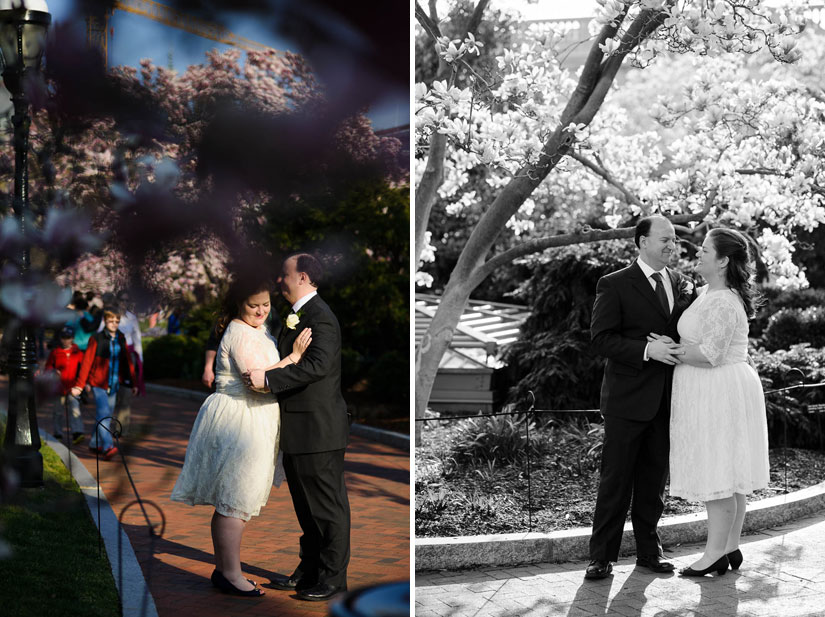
x=658, y=337
x=300, y=345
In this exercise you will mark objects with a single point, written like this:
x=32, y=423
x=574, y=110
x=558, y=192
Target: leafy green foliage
x=200, y=320
x=788, y=423
x=173, y=355
x=363, y=238
x=583, y=441
x=776, y=299
x=552, y=357
x=389, y=379
x=495, y=438
x=793, y=326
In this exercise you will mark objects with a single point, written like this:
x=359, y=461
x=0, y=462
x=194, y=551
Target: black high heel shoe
x=222, y=583
x=735, y=558
x=720, y=565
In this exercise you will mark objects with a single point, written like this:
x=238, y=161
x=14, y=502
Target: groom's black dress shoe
x=319, y=592
x=598, y=568
x=289, y=583
x=655, y=563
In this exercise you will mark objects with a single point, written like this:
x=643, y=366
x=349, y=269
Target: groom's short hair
x=644, y=225
x=309, y=265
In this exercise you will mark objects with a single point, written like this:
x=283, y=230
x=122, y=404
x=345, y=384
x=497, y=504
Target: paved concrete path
x=177, y=565
x=783, y=575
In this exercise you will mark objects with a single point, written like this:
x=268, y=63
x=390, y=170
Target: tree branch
x=591, y=71
x=433, y=11
x=643, y=26
x=427, y=190
x=584, y=235
x=608, y=177
x=761, y=171
x=429, y=24
x=475, y=18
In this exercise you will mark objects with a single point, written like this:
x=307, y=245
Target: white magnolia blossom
x=521, y=223
x=714, y=126
x=422, y=279
x=776, y=252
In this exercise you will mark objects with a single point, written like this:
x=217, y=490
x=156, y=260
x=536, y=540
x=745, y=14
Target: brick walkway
x=178, y=568
x=783, y=575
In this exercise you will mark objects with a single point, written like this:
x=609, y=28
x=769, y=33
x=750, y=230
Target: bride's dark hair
x=741, y=271
x=241, y=287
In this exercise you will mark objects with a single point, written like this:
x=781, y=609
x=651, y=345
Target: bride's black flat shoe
x=720, y=565
x=222, y=583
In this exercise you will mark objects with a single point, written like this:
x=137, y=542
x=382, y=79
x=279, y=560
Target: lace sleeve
x=247, y=350
x=719, y=320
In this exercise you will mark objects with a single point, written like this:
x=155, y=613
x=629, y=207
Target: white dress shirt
x=649, y=272
x=300, y=303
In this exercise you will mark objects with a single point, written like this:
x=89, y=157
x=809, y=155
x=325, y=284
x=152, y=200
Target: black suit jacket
x=625, y=312
x=313, y=411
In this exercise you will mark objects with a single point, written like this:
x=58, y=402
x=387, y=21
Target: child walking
x=65, y=359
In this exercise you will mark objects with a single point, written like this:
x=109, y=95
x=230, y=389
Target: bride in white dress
x=233, y=448
x=718, y=424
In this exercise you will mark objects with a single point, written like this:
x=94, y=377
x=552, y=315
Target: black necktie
x=660, y=291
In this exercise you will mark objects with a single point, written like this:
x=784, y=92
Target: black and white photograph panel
x=619, y=308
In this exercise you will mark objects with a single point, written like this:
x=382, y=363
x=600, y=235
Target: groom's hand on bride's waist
x=255, y=379
x=663, y=349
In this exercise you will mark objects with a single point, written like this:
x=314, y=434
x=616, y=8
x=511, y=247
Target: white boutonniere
x=686, y=287
x=293, y=319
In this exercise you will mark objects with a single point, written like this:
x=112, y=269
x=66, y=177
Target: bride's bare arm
x=298, y=348
x=255, y=377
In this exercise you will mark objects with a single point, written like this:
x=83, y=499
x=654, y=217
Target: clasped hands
x=662, y=349
x=255, y=379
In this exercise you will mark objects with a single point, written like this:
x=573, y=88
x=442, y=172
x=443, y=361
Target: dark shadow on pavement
x=591, y=597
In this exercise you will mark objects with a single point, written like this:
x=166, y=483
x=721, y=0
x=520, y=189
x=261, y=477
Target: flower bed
x=460, y=496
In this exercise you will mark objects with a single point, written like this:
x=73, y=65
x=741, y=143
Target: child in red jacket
x=107, y=366
x=65, y=359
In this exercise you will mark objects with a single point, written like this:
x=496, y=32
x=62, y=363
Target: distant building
x=464, y=378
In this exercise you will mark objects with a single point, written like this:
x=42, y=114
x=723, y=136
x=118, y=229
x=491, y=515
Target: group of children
x=103, y=356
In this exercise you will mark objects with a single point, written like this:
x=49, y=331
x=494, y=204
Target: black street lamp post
x=22, y=40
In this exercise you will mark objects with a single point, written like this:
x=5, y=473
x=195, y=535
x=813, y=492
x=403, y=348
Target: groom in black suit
x=314, y=434
x=641, y=299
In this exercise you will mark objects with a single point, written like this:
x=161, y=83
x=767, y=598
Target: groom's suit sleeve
x=607, y=328
x=317, y=362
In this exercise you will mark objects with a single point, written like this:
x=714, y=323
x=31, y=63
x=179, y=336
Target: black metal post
x=22, y=438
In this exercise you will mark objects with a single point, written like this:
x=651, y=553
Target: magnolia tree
x=552, y=144
x=137, y=163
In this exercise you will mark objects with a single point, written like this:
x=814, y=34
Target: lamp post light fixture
x=23, y=26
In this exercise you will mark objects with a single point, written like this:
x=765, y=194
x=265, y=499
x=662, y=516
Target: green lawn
x=55, y=568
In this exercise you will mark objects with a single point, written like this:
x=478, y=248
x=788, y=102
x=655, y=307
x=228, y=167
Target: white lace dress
x=233, y=448
x=718, y=425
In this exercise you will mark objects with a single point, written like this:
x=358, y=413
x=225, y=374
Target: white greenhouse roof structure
x=484, y=328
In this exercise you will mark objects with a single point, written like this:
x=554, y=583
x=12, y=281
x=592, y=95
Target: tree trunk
x=434, y=344
x=595, y=81
x=427, y=191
